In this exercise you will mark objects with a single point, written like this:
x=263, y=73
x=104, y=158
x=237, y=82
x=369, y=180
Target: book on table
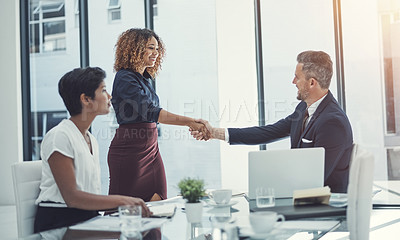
x=312, y=196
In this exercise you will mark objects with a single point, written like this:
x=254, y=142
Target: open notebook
x=165, y=210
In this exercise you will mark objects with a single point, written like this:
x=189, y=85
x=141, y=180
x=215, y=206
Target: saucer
x=213, y=204
x=338, y=200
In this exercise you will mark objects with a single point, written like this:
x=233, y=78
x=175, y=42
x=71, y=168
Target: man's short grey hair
x=317, y=65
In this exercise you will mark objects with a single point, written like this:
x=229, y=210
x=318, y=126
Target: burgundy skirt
x=135, y=164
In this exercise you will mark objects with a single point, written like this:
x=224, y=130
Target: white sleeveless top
x=66, y=139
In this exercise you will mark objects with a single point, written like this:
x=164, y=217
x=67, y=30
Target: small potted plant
x=192, y=190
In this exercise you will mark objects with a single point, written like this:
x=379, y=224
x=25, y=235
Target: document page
x=111, y=224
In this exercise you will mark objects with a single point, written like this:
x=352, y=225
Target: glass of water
x=265, y=197
x=130, y=217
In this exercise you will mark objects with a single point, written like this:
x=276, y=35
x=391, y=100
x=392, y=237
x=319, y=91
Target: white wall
x=10, y=97
x=188, y=85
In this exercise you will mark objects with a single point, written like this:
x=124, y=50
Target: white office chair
x=359, y=193
x=26, y=178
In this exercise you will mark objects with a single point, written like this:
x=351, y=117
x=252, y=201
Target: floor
x=8, y=222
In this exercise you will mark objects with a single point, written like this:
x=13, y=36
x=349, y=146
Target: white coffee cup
x=264, y=221
x=222, y=196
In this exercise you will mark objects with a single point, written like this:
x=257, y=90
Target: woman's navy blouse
x=133, y=98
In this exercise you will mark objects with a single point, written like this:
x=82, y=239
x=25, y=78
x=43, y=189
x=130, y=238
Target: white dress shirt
x=313, y=107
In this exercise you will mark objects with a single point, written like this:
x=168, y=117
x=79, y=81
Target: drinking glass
x=223, y=229
x=265, y=197
x=131, y=221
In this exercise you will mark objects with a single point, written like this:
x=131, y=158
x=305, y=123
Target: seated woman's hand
x=137, y=201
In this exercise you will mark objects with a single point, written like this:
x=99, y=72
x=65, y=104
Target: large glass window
x=371, y=53
x=389, y=16
x=209, y=73
x=289, y=28
x=52, y=28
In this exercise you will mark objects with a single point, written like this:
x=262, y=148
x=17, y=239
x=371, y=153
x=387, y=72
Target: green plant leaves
x=191, y=189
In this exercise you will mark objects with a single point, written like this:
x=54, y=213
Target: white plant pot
x=194, y=212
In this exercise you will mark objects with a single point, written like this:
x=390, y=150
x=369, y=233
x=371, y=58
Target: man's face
x=302, y=84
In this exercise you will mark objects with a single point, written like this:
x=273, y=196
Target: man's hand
x=200, y=128
x=204, y=133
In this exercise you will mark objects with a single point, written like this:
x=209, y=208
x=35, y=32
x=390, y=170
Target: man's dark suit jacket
x=329, y=128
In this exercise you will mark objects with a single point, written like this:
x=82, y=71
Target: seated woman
x=70, y=185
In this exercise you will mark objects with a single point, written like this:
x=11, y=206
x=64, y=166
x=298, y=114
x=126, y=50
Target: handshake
x=202, y=130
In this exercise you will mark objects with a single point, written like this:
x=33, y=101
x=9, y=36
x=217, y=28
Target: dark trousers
x=55, y=217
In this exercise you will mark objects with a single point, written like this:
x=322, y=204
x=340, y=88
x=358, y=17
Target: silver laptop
x=286, y=170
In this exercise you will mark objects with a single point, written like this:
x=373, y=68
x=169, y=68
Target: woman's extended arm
x=63, y=171
x=166, y=117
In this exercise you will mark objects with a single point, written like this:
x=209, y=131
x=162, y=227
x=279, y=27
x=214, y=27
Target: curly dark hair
x=130, y=48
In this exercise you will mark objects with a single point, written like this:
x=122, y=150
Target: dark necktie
x=305, y=121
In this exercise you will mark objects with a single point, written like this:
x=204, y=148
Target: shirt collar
x=313, y=107
x=147, y=75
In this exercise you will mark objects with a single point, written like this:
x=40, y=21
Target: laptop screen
x=286, y=170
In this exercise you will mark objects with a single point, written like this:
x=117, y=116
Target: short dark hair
x=76, y=82
x=318, y=65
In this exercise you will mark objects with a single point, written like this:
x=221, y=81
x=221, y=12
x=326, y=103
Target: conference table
x=221, y=222
x=216, y=221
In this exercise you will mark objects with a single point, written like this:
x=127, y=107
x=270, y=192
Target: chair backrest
x=26, y=178
x=359, y=193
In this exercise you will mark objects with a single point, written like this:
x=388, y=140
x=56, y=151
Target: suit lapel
x=297, y=135
x=315, y=116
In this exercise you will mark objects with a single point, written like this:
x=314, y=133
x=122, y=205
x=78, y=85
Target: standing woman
x=134, y=160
